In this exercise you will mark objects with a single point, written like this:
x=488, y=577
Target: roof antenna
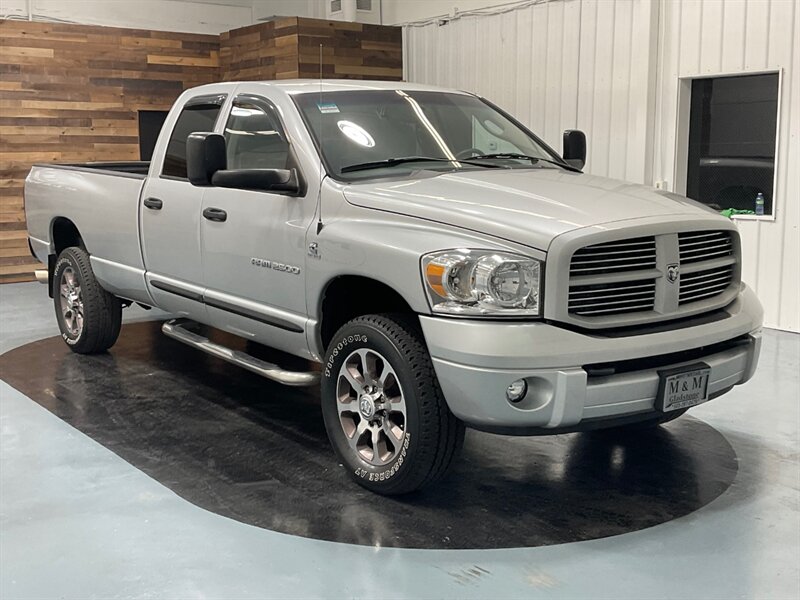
x=321, y=137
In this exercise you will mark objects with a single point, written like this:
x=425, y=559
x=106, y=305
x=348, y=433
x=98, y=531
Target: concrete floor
x=77, y=521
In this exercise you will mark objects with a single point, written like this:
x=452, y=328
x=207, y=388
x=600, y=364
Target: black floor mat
x=255, y=451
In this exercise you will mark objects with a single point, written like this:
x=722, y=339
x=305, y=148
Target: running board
x=176, y=330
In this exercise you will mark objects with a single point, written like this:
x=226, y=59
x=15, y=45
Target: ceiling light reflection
x=356, y=133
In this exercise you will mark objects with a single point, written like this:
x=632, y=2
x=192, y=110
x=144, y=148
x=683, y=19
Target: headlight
x=482, y=282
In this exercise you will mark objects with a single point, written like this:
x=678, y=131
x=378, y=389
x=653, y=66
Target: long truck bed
x=102, y=200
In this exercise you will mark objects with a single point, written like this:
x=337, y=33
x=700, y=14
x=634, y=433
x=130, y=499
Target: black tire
x=432, y=435
x=102, y=312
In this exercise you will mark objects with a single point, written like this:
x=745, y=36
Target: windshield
x=386, y=133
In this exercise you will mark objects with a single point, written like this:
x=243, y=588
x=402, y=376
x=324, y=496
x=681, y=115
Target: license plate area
x=682, y=387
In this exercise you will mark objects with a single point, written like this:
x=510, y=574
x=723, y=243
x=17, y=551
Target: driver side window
x=254, y=137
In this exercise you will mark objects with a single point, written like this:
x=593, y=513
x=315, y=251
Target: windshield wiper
x=391, y=162
x=517, y=156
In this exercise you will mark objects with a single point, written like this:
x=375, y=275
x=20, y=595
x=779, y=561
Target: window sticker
x=327, y=107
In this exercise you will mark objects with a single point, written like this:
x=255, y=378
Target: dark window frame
x=683, y=171
x=145, y=120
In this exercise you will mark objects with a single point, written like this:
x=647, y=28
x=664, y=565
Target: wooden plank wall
x=70, y=93
x=349, y=50
x=289, y=48
x=262, y=51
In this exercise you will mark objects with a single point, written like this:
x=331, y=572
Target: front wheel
x=88, y=316
x=384, y=411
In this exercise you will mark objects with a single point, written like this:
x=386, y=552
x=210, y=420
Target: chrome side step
x=176, y=330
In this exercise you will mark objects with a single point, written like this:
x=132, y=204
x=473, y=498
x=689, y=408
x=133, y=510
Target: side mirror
x=575, y=148
x=267, y=180
x=205, y=155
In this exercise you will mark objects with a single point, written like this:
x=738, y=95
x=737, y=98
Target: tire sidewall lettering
x=431, y=436
x=336, y=353
x=339, y=347
x=388, y=473
x=61, y=264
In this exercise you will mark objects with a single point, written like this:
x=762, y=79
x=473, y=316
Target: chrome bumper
x=476, y=361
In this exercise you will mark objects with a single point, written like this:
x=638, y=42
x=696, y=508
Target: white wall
x=206, y=16
x=556, y=66
x=612, y=69
x=161, y=15
x=403, y=11
x=734, y=36
x=314, y=9
x=216, y=16
x=394, y=12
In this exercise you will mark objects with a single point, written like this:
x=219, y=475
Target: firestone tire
x=384, y=412
x=88, y=316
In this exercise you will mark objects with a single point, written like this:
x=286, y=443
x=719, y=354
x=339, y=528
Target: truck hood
x=527, y=206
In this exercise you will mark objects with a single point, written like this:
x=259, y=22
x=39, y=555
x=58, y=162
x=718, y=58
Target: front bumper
x=476, y=361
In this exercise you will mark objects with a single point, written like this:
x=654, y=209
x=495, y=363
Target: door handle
x=153, y=203
x=215, y=214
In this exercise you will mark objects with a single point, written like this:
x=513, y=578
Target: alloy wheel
x=371, y=407
x=71, y=302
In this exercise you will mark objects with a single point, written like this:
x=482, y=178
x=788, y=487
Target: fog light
x=517, y=390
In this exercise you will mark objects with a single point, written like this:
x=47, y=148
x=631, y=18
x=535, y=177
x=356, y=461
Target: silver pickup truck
x=436, y=263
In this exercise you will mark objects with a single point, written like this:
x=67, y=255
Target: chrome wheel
x=71, y=302
x=371, y=407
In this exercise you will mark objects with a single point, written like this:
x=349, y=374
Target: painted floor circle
x=252, y=450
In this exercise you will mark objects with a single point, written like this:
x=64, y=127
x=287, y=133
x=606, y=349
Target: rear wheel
x=88, y=316
x=384, y=412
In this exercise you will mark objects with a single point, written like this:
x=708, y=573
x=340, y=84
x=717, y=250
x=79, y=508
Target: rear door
x=170, y=216
x=254, y=259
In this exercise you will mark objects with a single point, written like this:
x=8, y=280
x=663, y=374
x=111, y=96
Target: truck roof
x=305, y=86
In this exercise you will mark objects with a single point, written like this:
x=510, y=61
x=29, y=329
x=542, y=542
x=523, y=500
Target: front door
x=170, y=217
x=253, y=242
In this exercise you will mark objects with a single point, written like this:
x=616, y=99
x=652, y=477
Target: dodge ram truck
x=435, y=262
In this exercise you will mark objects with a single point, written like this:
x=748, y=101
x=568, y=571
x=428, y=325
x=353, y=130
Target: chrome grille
x=662, y=275
x=614, y=257
x=705, y=284
x=612, y=298
x=699, y=246
x=595, y=298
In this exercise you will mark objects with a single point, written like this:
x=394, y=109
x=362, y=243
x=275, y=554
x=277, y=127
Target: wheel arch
x=63, y=234
x=346, y=297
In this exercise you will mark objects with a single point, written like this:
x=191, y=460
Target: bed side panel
x=104, y=208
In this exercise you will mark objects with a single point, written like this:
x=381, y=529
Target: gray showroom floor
x=77, y=521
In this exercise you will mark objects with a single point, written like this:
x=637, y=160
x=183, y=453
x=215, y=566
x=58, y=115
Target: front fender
x=386, y=248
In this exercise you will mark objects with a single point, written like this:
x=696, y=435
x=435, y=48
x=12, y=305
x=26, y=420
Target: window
x=254, y=137
x=732, y=129
x=356, y=128
x=150, y=124
x=195, y=117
